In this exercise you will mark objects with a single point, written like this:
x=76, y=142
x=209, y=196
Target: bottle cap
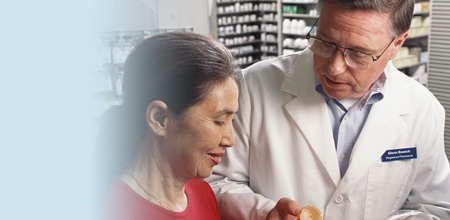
x=309, y=213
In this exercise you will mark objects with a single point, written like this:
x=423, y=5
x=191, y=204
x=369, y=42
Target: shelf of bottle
x=423, y=13
x=269, y=32
x=298, y=2
x=294, y=48
x=421, y=36
x=236, y=13
x=246, y=12
x=411, y=66
x=231, y=2
x=274, y=53
x=301, y=16
x=269, y=42
x=417, y=41
x=269, y=22
x=236, y=23
x=247, y=22
x=294, y=35
x=256, y=52
x=240, y=34
x=247, y=53
x=268, y=11
x=243, y=43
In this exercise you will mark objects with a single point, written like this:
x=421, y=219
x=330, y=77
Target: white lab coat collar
x=308, y=105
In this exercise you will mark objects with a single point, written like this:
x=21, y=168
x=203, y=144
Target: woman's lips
x=216, y=157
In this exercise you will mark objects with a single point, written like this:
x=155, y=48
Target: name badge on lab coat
x=399, y=154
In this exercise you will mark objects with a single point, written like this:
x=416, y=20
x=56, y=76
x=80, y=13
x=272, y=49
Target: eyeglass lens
x=327, y=50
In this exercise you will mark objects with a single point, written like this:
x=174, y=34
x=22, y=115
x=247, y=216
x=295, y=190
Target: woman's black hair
x=178, y=68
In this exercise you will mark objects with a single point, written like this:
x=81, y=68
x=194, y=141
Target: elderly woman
x=180, y=97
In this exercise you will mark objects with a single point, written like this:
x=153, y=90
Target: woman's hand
x=285, y=209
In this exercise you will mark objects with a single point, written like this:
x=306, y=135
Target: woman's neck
x=152, y=177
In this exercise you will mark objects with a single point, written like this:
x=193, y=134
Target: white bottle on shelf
x=286, y=25
x=294, y=26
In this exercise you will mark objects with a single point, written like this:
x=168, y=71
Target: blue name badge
x=399, y=154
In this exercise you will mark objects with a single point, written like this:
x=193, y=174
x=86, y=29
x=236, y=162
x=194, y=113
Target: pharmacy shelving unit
x=297, y=17
x=259, y=29
x=110, y=49
x=412, y=58
x=249, y=28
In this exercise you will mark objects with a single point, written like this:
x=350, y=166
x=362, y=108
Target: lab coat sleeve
x=429, y=197
x=230, y=180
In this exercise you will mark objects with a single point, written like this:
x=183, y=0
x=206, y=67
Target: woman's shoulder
x=197, y=184
x=199, y=189
x=201, y=199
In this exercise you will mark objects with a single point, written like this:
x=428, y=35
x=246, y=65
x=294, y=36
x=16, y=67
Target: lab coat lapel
x=383, y=126
x=310, y=113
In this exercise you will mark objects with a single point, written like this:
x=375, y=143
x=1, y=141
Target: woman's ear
x=157, y=117
x=398, y=42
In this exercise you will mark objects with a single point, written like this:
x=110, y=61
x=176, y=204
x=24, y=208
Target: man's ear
x=398, y=42
x=157, y=117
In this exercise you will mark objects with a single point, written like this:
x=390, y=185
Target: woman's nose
x=228, y=137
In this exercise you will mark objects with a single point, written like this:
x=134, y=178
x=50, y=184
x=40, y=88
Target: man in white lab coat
x=338, y=127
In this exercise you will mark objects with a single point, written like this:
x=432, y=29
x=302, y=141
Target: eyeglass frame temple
x=378, y=57
x=308, y=35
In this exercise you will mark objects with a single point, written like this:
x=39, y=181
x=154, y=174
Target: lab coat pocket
x=387, y=188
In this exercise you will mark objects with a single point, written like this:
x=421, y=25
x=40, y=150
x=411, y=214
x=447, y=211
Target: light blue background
x=45, y=115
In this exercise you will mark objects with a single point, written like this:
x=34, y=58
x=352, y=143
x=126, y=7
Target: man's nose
x=337, y=64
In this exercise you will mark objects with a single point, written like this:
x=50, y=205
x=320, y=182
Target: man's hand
x=285, y=209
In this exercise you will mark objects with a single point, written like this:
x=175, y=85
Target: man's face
x=362, y=31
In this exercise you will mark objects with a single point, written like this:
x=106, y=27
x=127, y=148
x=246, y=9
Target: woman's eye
x=219, y=123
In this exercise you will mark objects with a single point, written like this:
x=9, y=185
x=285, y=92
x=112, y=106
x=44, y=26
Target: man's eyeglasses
x=353, y=58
